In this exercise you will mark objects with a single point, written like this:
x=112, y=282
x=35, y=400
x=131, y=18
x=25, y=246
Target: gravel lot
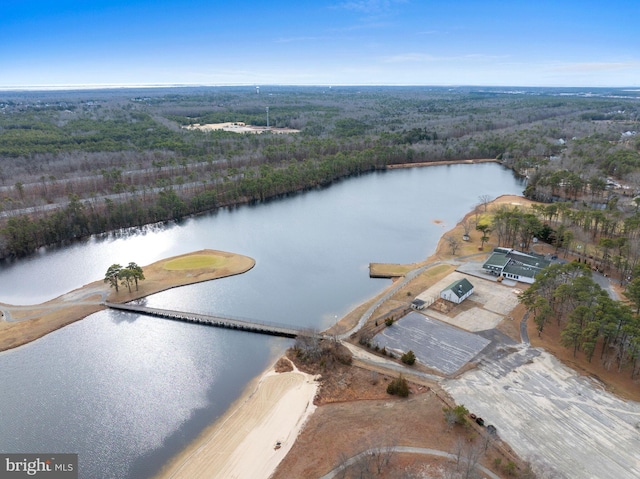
x=566, y=425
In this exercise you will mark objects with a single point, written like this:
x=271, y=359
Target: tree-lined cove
x=76, y=164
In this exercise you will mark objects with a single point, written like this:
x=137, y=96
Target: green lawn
x=196, y=261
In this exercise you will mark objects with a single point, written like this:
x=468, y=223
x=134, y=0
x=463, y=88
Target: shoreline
x=272, y=407
x=262, y=424
x=244, y=428
x=44, y=318
x=443, y=162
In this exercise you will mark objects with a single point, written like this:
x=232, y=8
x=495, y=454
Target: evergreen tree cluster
x=589, y=320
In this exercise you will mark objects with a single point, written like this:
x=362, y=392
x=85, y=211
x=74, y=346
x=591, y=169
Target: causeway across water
x=215, y=320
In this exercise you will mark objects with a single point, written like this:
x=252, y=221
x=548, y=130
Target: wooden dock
x=214, y=320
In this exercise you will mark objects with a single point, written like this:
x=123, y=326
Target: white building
x=457, y=291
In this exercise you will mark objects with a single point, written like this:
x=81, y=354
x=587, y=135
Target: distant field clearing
x=196, y=261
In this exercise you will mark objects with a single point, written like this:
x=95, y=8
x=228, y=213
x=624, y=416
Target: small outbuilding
x=418, y=304
x=457, y=291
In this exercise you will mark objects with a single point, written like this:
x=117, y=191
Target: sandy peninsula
x=22, y=324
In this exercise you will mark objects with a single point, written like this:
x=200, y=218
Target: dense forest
x=73, y=164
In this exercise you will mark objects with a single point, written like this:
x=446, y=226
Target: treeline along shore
x=75, y=164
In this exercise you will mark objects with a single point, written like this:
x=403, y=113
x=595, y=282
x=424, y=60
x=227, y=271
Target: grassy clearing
x=196, y=261
x=389, y=270
x=423, y=281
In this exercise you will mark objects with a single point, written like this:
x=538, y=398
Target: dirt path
x=402, y=450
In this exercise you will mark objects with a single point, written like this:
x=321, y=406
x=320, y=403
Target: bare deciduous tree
x=382, y=457
x=467, y=224
x=484, y=200
x=308, y=345
x=343, y=466
x=476, y=213
x=362, y=467
x=468, y=455
x=454, y=244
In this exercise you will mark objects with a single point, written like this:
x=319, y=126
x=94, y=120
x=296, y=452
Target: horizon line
x=130, y=86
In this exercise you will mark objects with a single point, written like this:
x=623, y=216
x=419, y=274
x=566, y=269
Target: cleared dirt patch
x=239, y=127
x=342, y=427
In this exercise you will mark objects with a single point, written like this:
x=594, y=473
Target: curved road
x=405, y=450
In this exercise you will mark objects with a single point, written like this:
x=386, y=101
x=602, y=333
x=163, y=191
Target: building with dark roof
x=457, y=291
x=418, y=304
x=512, y=264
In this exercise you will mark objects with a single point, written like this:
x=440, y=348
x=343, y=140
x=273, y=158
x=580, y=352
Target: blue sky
x=321, y=42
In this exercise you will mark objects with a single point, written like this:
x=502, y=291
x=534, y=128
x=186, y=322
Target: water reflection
x=127, y=392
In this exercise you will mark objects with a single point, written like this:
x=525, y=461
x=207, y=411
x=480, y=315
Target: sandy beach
x=242, y=443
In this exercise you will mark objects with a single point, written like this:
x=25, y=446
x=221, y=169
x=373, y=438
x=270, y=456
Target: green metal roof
x=497, y=259
x=516, y=262
x=460, y=287
x=520, y=270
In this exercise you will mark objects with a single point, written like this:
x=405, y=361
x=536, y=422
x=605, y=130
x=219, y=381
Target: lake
x=127, y=392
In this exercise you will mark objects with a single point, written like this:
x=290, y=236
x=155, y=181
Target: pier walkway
x=215, y=320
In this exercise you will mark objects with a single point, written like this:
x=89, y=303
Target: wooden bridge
x=215, y=320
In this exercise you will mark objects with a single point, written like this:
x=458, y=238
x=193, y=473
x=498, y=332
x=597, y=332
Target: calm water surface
x=127, y=392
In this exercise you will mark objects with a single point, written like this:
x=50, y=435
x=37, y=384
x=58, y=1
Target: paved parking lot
x=436, y=344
